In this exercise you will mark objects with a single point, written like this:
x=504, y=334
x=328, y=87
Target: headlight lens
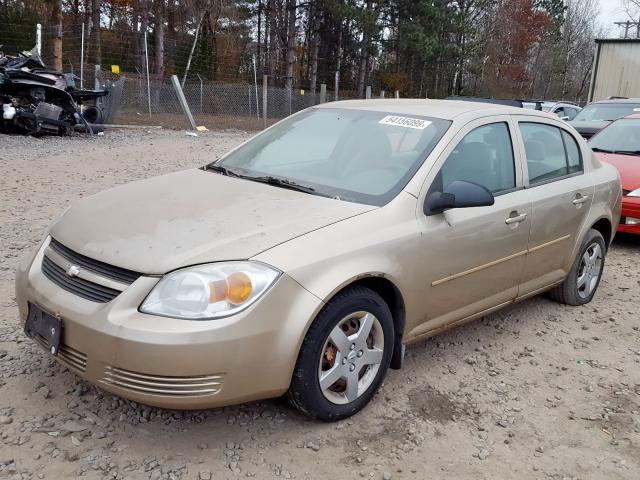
x=634, y=193
x=209, y=291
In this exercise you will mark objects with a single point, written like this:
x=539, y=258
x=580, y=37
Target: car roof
x=618, y=100
x=445, y=109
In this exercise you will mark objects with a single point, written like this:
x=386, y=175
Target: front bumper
x=173, y=363
x=630, y=208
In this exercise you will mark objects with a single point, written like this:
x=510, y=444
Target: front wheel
x=344, y=356
x=584, y=277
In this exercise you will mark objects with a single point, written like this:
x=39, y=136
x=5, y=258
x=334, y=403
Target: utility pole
x=627, y=26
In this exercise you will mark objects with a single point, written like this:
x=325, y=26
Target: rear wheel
x=584, y=277
x=344, y=356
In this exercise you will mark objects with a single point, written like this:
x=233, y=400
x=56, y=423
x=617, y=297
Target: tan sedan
x=305, y=260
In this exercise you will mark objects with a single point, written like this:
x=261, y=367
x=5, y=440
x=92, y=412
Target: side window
x=560, y=112
x=547, y=156
x=571, y=112
x=484, y=156
x=574, y=159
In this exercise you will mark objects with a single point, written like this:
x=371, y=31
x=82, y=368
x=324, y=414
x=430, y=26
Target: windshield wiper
x=596, y=149
x=222, y=170
x=268, y=179
x=281, y=182
x=628, y=152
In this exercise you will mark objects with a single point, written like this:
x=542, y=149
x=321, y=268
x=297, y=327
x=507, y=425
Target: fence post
x=323, y=92
x=82, y=58
x=96, y=75
x=337, y=84
x=183, y=101
x=381, y=93
x=265, y=88
x=200, y=78
x=255, y=81
x=397, y=94
x=367, y=93
x=39, y=39
x=146, y=61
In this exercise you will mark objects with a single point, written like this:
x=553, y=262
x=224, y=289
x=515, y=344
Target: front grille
x=82, y=288
x=141, y=383
x=70, y=357
x=118, y=274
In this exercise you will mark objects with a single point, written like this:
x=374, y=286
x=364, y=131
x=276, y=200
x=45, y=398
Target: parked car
x=619, y=145
x=564, y=110
x=304, y=260
x=598, y=115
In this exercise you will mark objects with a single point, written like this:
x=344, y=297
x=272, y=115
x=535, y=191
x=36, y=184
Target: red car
x=619, y=145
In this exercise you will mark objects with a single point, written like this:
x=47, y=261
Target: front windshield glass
x=606, y=112
x=355, y=155
x=621, y=136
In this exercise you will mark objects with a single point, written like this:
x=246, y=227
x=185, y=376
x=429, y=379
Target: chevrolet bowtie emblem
x=73, y=271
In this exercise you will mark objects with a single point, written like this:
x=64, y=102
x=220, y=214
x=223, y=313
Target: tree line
x=422, y=48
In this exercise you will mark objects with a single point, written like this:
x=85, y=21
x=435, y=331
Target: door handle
x=580, y=199
x=517, y=219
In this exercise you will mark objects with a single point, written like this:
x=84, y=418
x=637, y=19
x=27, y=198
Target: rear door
x=561, y=196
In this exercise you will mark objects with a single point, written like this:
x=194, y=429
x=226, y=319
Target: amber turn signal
x=235, y=289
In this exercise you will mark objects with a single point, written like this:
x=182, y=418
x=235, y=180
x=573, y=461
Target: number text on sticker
x=406, y=122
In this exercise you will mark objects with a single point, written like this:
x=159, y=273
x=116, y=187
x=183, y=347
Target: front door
x=473, y=257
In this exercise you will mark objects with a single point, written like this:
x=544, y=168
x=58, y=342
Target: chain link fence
x=134, y=101
x=218, y=98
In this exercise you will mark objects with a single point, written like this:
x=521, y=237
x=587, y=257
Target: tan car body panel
x=321, y=245
x=250, y=352
x=237, y=218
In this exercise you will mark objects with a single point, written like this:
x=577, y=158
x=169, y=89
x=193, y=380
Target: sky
x=612, y=11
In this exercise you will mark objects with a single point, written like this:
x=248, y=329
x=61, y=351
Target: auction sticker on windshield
x=407, y=122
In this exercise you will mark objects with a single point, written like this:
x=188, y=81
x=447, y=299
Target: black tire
x=305, y=393
x=567, y=292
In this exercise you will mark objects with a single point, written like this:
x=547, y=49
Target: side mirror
x=565, y=118
x=458, y=194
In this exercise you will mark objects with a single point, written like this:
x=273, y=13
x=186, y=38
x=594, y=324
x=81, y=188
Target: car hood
x=627, y=165
x=157, y=225
x=589, y=128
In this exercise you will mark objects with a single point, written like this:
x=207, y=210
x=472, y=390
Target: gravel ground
x=536, y=391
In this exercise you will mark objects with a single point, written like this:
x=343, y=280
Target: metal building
x=616, y=69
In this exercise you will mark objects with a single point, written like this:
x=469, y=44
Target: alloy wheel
x=590, y=270
x=351, y=357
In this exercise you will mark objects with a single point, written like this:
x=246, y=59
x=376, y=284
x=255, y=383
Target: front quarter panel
x=382, y=243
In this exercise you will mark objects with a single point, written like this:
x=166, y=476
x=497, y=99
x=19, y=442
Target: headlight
x=209, y=291
x=634, y=193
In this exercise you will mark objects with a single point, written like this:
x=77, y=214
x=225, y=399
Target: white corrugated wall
x=618, y=71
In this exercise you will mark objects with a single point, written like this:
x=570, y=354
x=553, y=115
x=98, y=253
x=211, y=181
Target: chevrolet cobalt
x=303, y=261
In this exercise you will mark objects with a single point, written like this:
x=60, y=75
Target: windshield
x=621, y=136
x=606, y=111
x=355, y=155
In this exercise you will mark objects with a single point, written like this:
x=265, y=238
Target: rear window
x=551, y=152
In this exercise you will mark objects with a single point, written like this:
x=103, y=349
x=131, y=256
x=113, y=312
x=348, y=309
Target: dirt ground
x=537, y=391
